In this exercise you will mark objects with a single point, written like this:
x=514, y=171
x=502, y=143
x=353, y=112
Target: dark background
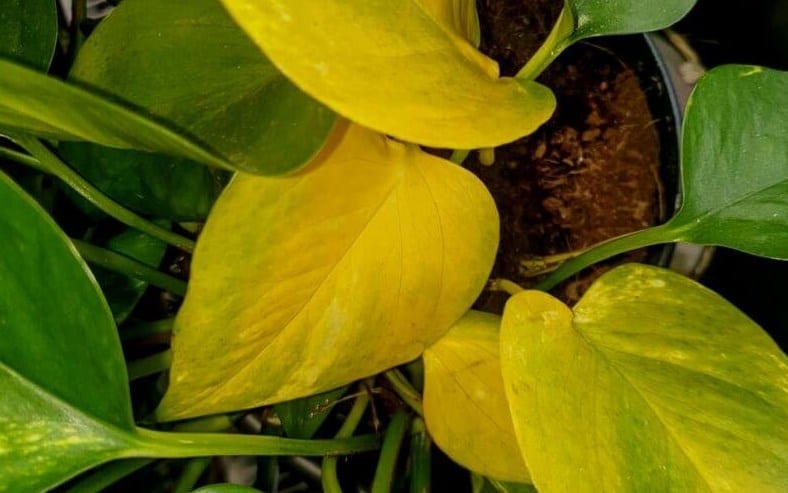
x=749, y=32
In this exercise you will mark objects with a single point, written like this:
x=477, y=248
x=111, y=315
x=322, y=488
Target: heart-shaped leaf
x=62, y=378
x=393, y=66
x=735, y=162
x=34, y=103
x=306, y=283
x=465, y=406
x=28, y=31
x=215, y=84
x=654, y=383
x=581, y=19
x=734, y=171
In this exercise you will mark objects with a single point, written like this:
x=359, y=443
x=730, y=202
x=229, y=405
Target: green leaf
x=735, y=162
x=465, y=405
x=28, y=31
x=507, y=487
x=394, y=66
x=582, y=19
x=123, y=293
x=62, y=377
x=334, y=274
x=301, y=418
x=734, y=171
x=215, y=84
x=154, y=184
x=654, y=383
x=34, y=103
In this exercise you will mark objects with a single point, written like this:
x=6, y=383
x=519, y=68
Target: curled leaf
x=306, y=283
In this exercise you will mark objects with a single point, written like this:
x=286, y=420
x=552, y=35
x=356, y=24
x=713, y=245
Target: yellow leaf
x=651, y=383
x=465, y=406
x=459, y=15
x=392, y=65
x=305, y=283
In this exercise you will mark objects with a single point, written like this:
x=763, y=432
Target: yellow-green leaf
x=459, y=15
x=392, y=65
x=654, y=383
x=305, y=283
x=465, y=406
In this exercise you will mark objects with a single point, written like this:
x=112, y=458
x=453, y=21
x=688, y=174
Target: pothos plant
x=340, y=249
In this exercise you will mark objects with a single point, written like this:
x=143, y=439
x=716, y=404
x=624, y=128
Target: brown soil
x=590, y=173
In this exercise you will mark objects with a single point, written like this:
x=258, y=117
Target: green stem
x=459, y=156
x=420, y=457
x=191, y=474
x=150, y=365
x=108, y=475
x=48, y=162
x=124, y=265
x=330, y=479
x=405, y=390
x=20, y=157
x=143, y=330
x=640, y=239
x=560, y=38
x=164, y=445
x=389, y=452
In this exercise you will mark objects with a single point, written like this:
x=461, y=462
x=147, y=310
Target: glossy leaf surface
x=62, y=377
x=301, y=418
x=306, y=283
x=215, y=84
x=608, y=17
x=654, y=383
x=465, y=406
x=34, y=103
x=393, y=66
x=735, y=162
x=123, y=293
x=28, y=31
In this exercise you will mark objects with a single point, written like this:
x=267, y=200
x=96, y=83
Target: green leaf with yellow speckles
x=651, y=383
x=465, y=407
x=62, y=379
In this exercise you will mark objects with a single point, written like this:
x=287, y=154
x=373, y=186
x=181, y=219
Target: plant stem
x=164, y=445
x=329, y=477
x=191, y=474
x=505, y=285
x=107, y=475
x=405, y=390
x=143, y=330
x=150, y=365
x=124, y=265
x=420, y=458
x=392, y=442
x=560, y=38
x=46, y=161
x=459, y=156
x=640, y=239
x=20, y=157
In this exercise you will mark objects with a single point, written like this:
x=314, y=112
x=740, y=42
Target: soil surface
x=590, y=173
